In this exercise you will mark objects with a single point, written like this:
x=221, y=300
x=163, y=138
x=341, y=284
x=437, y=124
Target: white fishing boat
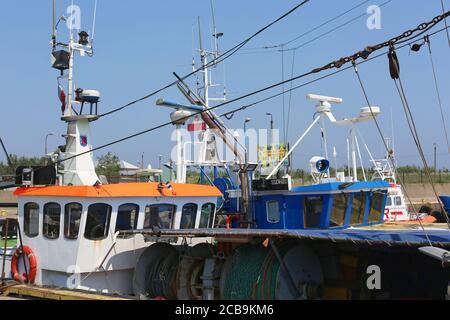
x=159, y=240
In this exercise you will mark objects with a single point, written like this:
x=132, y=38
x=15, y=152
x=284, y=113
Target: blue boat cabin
x=323, y=206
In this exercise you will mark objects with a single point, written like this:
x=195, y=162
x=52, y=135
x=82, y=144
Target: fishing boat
x=160, y=240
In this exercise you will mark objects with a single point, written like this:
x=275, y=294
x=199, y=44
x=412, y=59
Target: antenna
x=324, y=99
x=54, y=25
x=215, y=35
x=71, y=25
x=93, y=22
x=200, y=34
x=323, y=109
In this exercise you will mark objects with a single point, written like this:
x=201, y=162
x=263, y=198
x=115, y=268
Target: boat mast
x=215, y=124
x=204, y=61
x=78, y=170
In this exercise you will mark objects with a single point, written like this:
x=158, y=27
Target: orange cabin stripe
x=148, y=189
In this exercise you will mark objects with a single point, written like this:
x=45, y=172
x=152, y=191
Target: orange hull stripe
x=149, y=189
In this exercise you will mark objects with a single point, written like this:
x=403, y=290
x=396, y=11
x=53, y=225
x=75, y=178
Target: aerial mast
x=78, y=170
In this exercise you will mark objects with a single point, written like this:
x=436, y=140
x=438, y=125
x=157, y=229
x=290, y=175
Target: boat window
x=340, y=202
x=52, y=217
x=188, y=215
x=207, y=215
x=358, y=208
x=72, y=219
x=313, y=211
x=159, y=215
x=97, y=221
x=127, y=217
x=273, y=211
x=388, y=201
x=31, y=219
x=376, y=205
x=398, y=201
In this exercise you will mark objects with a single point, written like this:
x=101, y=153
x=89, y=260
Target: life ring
x=31, y=276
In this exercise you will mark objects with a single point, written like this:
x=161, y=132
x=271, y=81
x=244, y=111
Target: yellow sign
x=270, y=156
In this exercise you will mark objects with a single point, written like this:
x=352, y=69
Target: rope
x=395, y=74
x=389, y=152
x=413, y=129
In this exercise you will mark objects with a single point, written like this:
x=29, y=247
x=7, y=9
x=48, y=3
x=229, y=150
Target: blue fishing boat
x=243, y=236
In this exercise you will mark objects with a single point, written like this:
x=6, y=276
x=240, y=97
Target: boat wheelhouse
x=322, y=206
x=74, y=229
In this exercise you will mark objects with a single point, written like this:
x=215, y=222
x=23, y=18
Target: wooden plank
x=56, y=294
x=405, y=226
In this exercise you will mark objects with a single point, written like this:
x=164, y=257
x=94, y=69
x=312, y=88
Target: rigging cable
x=274, y=48
x=336, y=64
x=336, y=28
x=6, y=153
x=290, y=96
x=445, y=22
x=405, y=36
x=427, y=40
x=214, y=62
x=94, y=21
x=326, y=22
x=389, y=152
x=395, y=74
x=237, y=99
x=282, y=90
x=312, y=29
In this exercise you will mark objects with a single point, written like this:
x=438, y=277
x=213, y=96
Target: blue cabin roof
x=340, y=186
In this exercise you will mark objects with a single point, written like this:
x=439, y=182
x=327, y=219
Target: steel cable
x=389, y=152
x=438, y=94
x=317, y=70
x=214, y=62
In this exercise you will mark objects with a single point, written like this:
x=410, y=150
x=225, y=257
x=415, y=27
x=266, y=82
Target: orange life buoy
x=32, y=262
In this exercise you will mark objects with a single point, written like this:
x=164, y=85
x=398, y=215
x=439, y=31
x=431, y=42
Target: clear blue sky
x=140, y=43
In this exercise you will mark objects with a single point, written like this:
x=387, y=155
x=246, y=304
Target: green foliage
x=17, y=161
x=409, y=169
x=108, y=165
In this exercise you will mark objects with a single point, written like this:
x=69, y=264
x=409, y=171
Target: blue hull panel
x=446, y=201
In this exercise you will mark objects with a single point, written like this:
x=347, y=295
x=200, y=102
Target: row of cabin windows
x=396, y=200
x=99, y=216
x=313, y=206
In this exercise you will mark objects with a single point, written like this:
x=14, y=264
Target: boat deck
x=388, y=234
x=413, y=225
x=34, y=292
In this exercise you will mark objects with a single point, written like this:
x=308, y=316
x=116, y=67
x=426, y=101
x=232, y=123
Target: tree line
x=109, y=166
